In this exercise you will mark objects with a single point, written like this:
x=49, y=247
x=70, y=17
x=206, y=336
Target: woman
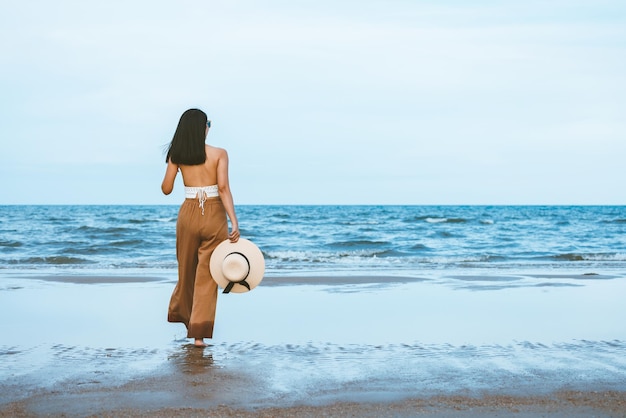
x=201, y=223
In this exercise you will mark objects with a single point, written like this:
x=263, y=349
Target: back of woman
x=204, y=174
x=201, y=224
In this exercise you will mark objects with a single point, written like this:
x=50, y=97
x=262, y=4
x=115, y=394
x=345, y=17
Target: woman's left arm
x=170, y=175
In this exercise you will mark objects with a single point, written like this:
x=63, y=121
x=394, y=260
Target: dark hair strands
x=187, y=146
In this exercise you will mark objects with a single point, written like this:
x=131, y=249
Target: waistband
x=202, y=193
x=208, y=191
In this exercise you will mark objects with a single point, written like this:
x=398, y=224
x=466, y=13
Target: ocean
x=361, y=301
x=325, y=240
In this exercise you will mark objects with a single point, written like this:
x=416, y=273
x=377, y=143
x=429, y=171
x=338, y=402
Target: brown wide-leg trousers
x=194, y=299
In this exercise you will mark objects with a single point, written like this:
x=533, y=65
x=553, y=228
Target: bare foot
x=199, y=342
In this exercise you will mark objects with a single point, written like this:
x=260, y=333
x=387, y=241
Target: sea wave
x=310, y=238
x=358, y=244
x=54, y=260
x=370, y=258
x=446, y=220
x=100, y=248
x=616, y=221
x=113, y=230
x=590, y=257
x=11, y=244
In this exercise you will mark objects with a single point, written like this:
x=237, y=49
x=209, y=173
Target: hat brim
x=248, y=250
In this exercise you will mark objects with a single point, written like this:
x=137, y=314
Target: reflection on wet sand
x=192, y=359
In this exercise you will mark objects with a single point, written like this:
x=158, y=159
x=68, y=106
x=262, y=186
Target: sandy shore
x=506, y=345
x=192, y=384
x=145, y=398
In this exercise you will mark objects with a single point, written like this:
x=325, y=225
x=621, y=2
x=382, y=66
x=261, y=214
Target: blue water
x=438, y=299
x=325, y=240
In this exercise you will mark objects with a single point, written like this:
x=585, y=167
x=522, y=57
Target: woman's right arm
x=170, y=175
x=226, y=196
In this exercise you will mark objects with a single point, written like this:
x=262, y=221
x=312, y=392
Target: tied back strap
x=202, y=199
x=202, y=193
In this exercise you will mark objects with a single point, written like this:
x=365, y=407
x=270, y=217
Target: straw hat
x=237, y=267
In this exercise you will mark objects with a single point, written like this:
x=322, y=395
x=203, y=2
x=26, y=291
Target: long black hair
x=187, y=146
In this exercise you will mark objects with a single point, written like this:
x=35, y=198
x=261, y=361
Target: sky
x=317, y=102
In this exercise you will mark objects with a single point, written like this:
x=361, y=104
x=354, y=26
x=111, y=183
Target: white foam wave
x=605, y=257
x=436, y=220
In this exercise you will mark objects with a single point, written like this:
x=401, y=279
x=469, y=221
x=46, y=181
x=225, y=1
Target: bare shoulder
x=216, y=152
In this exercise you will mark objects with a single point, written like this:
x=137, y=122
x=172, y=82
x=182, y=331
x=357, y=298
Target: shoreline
x=329, y=279
x=193, y=382
x=146, y=398
x=309, y=346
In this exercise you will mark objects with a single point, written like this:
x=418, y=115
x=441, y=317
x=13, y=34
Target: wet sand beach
x=435, y=345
